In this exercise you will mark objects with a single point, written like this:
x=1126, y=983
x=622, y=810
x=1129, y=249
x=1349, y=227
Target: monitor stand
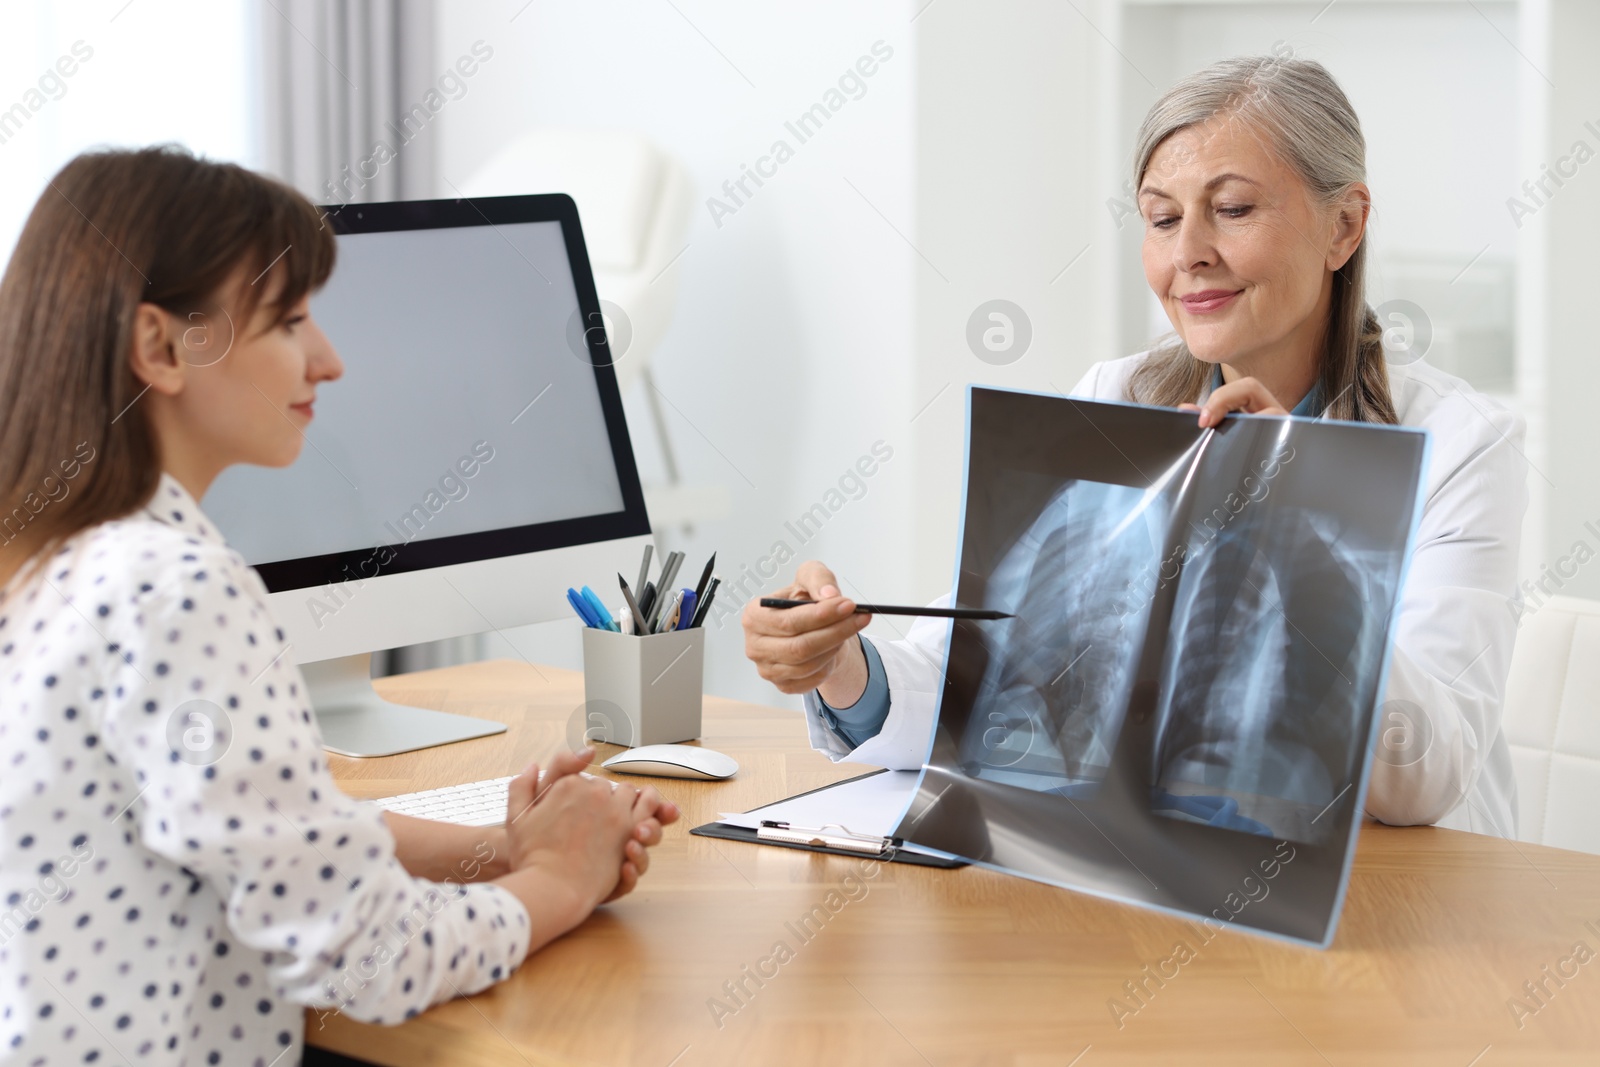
x=356, y=721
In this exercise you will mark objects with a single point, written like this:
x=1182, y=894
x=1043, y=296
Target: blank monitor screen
x=473, y=418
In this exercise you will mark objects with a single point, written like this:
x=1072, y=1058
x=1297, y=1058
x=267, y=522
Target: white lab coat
x=1458, y=618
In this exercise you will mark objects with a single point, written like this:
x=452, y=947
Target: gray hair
x=1304, y=118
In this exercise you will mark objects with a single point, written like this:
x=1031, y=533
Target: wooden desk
x=921, y=966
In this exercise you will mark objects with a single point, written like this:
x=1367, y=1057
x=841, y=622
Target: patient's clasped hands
x=584, y=840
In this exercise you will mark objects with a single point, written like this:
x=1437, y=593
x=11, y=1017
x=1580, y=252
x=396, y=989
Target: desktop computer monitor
x=471, y=464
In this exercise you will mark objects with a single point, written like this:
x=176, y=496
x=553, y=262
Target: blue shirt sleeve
x=861, y=721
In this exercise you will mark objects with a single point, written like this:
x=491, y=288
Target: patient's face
x=250, y=385
x=1225, y=216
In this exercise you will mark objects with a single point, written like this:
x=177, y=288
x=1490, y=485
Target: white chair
x=1552, y=722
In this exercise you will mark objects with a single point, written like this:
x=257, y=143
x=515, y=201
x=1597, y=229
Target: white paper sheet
x=871, y=806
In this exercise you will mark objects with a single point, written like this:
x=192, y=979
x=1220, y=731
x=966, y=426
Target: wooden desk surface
x=920, y=966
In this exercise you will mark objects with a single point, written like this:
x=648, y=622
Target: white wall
x=791, y=345
x=1010, y=175
x=130, y=90
x=1562, y=378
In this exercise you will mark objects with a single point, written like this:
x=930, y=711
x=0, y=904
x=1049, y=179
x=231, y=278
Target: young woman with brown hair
x=179, y=874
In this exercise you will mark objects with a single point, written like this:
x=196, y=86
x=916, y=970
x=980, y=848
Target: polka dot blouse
x=179, y=874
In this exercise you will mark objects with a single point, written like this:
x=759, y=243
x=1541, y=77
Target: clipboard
x=833, y=839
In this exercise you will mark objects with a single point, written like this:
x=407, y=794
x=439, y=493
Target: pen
x=633, y=606
x=705, y=577
x=822, y=837
x=987, y=614
x=600, y=612
x=585, y=612
x=704, y=603
x=669, y=613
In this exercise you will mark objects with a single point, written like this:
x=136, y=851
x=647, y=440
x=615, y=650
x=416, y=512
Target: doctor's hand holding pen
x=813, y=645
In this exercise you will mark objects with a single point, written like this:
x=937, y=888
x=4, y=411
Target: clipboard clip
x=829, y=835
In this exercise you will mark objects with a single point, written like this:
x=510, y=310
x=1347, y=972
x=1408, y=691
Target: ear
x=153, y=355
x=1349, y=224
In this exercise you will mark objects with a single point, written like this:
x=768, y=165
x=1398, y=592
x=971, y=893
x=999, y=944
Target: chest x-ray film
x=1181, y=712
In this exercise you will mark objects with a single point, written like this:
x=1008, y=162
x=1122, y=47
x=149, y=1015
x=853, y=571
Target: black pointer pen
x=983, y=614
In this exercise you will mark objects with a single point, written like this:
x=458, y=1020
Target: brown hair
x=1299, y=111
x=112, y=230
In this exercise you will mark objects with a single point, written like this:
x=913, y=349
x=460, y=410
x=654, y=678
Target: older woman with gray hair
x=1250, y=178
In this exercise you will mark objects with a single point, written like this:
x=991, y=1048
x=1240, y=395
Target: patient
x=1251, y=184
x=181, y=875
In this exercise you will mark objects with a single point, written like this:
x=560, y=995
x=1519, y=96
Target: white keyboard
x=469, y=804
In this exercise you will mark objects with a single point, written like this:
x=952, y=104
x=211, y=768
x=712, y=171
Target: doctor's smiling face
x=1238, y=250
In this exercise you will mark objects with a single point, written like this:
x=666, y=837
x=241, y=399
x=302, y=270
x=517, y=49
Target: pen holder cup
x=643, y=690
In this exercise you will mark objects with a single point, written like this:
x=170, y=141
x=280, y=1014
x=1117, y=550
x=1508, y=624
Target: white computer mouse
x=674, y=761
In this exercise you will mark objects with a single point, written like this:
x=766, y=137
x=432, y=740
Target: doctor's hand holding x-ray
x=1251, y=188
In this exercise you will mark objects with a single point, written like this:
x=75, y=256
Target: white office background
x=828, y=313
x=159, y=70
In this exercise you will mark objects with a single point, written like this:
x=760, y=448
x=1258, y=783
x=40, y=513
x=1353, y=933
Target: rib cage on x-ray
x=1055, y=689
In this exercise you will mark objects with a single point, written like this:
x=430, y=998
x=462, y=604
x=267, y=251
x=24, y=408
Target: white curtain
x=339, y=77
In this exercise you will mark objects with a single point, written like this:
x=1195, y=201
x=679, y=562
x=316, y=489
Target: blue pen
x=606, y=621
x=581, y=606
x=686, y=612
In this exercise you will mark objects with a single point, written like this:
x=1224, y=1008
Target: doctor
x=1250, y=184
